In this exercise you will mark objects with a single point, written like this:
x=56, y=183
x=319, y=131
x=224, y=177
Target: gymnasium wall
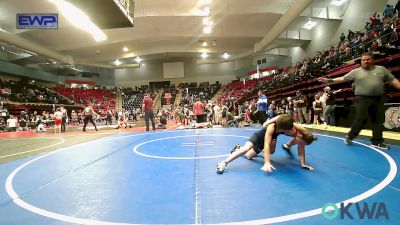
x=105, y=78
x=153, y=71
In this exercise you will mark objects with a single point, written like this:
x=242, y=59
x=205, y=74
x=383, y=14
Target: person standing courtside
x=58, y=120
x=88, y=112
x=147, y=108
x=369, y=99
x=198, y=111
x=329, y=100
x=64, y=118
x=301, y=105
x=262, y=106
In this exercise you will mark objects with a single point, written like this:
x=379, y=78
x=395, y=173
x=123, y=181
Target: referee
x=89, y=113
x=369, y=82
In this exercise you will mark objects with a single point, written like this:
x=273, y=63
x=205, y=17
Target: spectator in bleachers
x=350, y=35
x=388, y=11
x=386, y=33
x=397, y=8
x=369, y=81
x=342, y=37
x=373, y=21
x=376, y=45
x=396, y=29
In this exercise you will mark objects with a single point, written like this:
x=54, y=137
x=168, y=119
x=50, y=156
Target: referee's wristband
x=329, y=80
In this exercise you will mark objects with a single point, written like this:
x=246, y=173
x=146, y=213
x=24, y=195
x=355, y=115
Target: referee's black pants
x=149, y=115
x=372, y=106
x=86, y=120
x=262, y=117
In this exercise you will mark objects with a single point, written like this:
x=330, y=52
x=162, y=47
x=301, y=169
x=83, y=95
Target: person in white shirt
x=12, y=124
x=58, y=115
x=40, y=126
x=217, y=114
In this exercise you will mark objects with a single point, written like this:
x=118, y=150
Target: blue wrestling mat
x=170, y=178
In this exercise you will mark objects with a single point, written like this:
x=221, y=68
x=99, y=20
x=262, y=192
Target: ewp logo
x=37, y=21
x=377, y=211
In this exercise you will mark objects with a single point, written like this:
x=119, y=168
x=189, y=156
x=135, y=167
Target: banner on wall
x=345, y=117
x=167, y=97
x=392, y=117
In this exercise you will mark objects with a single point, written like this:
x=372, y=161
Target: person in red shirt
x=147, y=108
x=198, y=111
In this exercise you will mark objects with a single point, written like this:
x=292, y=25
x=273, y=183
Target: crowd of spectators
x=132, y=98
x=202, y=92
x=23, y=91
x=379, y=34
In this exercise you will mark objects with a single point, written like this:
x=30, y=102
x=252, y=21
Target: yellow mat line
x=386, y=134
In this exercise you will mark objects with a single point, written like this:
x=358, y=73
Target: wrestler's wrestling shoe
x=221, y=167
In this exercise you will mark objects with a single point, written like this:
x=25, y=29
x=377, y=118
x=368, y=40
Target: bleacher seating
x=102, y=99
x=22, y=91
x=333, y=62
x=190, y=93
x=132, y=99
